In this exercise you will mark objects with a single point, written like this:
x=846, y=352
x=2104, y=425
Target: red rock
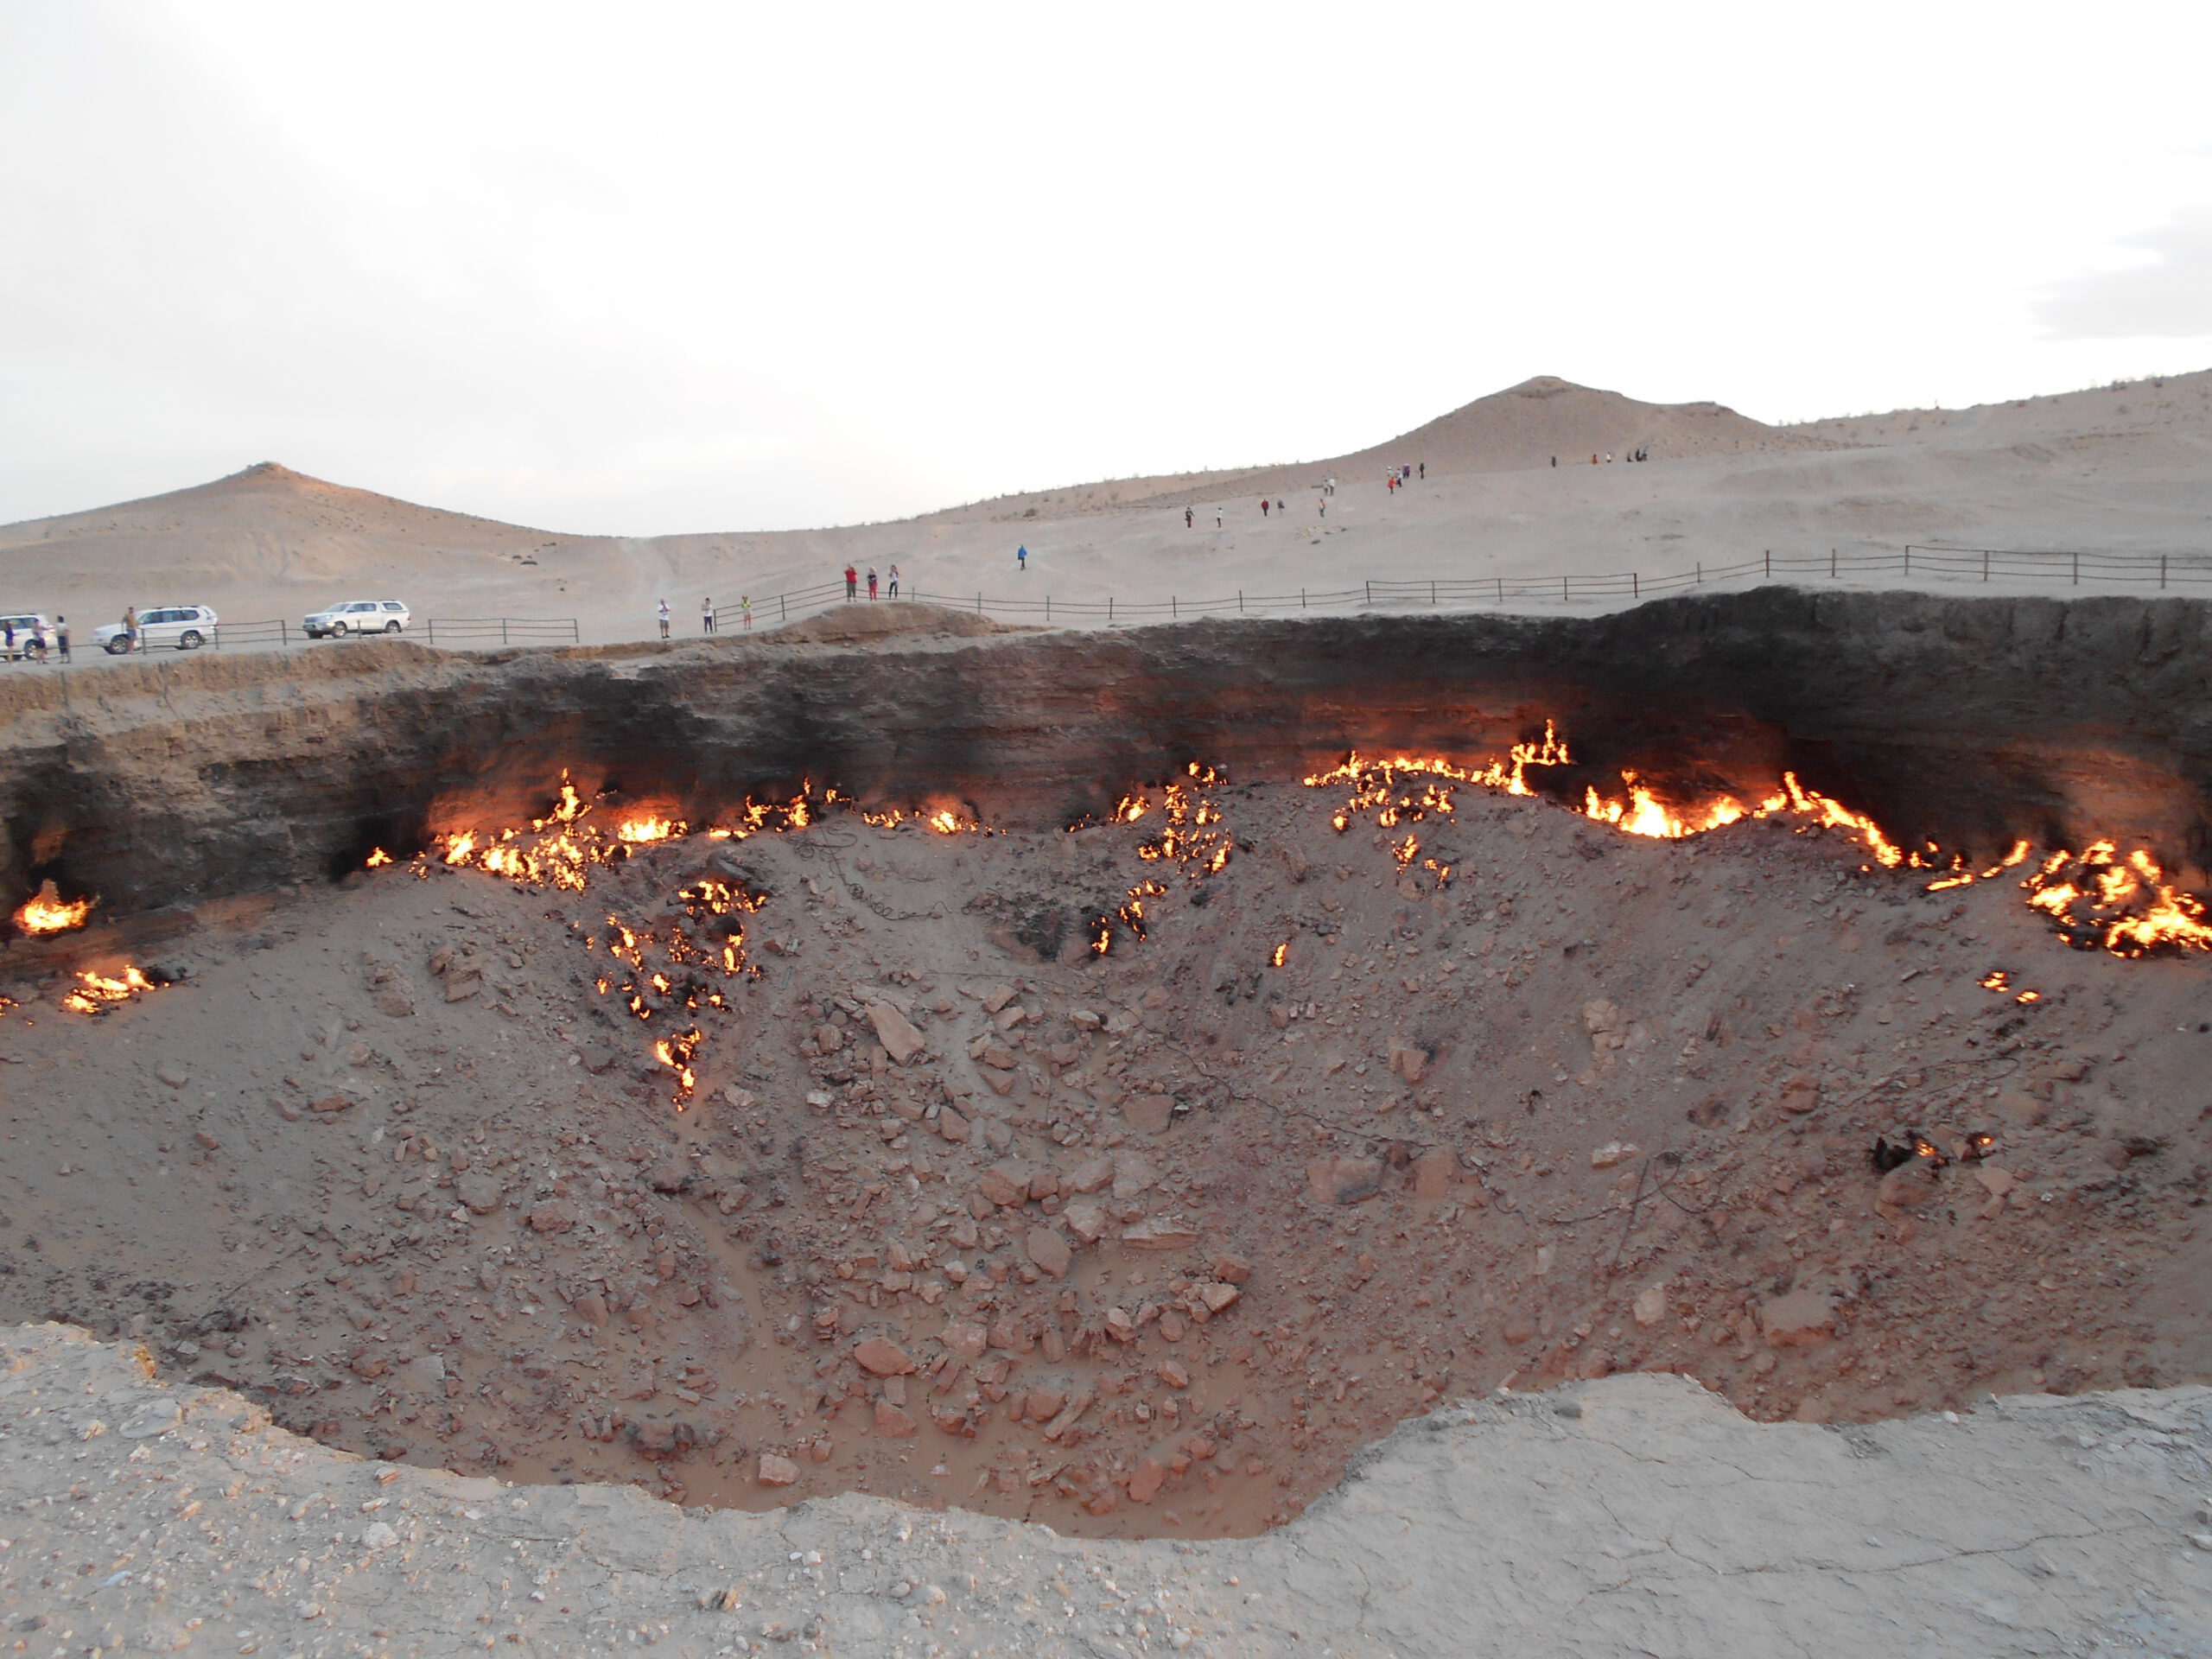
x=895, y=1032
x=1045, y=1184
x=776, y=1472
x=1172, y=1373
x=1216, y=1297
x=998, y=996
x=1069, y=1414
x=997, y=1056
x=554, y=1215
x=1044, y=1404
x=1006, y=1182
x=1231, y=1269
x=591, y=1307
x=965, y=1342
x=1804, y=1318
x=882, y=1358
x=1120, y=1326
x=1149, y=1113
x=1086, y=1221
x=951, y=1126
x=1049, y=1248
x=1408, y=1062
x=1344, y=1180
x=1801, y=1095
x=1160, y=1233
x=829, y=1038
x=1088, y=1176
x=891, y=1422
x=1433, y=1172
x=1144, y=1485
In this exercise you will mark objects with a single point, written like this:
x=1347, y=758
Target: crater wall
x=1968, y=722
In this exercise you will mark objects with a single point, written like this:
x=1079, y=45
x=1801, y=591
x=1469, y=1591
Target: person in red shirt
x=852, y=582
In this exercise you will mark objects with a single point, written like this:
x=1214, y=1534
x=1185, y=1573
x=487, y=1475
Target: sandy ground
x=1636, y=1515
x=958, y=1212
x=2126, y=469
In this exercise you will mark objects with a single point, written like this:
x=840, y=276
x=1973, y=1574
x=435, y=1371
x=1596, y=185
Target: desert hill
x=2124, y=466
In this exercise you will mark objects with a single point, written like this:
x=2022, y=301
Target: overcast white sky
x=670, y=267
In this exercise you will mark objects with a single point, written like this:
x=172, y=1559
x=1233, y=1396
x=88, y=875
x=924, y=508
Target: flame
x=98, y=993
x=44, y=912
x=2029, y=996
x=1926, y=1148
x=377, y=859
x=1280, y=951
x=1642, y=814
x=638, y=831
x=2125, y=905
x=676, y=1052
x=1998, y=981
x=1191, y=837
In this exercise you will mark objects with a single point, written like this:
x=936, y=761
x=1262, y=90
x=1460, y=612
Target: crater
x=1114, y=1079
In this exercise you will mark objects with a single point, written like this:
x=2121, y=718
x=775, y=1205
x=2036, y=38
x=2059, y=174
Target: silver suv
x=186, y=627
x=357, y=616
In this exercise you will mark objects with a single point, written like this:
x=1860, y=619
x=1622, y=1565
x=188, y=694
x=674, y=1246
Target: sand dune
x=2124, y=467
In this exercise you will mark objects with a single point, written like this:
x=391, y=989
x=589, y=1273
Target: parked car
x=32, y=631
x=357, y=616
x=186, y=627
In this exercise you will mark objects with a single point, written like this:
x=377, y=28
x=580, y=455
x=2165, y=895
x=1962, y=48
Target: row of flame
x=2098, y=898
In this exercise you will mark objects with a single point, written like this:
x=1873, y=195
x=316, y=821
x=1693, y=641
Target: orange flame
x=44, y=912
x=1280, y=952
x=98, y=993
x=376, y=859
x=2124, y=905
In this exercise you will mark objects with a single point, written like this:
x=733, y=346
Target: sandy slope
x=2125, y=468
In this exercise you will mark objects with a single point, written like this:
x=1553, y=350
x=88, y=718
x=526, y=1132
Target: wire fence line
x=2158, y=571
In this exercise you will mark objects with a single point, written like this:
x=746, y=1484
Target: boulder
x=895, y=1032
x=1344, y=1180
x=554, y=1215
x=1160, y=1233
x=1049, y=1249
x=882, y=1358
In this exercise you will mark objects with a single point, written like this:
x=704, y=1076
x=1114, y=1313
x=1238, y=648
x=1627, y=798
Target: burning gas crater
x=2098, y=898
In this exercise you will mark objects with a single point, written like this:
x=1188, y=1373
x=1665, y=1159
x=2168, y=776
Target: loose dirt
x=956, y=1210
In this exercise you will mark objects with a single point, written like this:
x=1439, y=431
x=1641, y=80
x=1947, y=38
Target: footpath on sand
x=1637, y=1514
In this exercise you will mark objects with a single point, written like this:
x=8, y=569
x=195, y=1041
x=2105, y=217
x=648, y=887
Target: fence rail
x=507, y=630
x=2162, y=571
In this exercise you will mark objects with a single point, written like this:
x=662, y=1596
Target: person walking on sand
x=1424, y=472
x=1021, y=557
x=664, y=619
x=130, y=628
x=1216, y=517
x=871, y=581
x=1263, y=507
x=894, y=582
x=706, y=616
x=1186, y=518
x=852, y=582
x=61, y=636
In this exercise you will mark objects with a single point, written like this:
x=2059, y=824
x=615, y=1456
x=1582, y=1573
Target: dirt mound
x=902, y=619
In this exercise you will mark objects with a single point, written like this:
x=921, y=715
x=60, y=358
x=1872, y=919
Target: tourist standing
x=852, y=582
x=61, y=636
x=130, y=628
x=1021, y=557
x=1263, y=507
x=871, y=581
x=1216, y=517
x=664, y=619
x=894, y=582
x=706, y=616
x=744, y=608
x=1186, y=518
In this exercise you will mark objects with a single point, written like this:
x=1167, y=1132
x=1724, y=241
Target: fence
x=507, y=630
x=2162, y=571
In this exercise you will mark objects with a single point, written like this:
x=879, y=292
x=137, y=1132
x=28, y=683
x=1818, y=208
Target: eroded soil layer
x=960, y=1213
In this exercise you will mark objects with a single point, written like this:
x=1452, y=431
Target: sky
x=671, y=267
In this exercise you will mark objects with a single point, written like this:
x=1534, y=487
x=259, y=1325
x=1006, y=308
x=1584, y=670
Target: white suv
x=186, y=627
x=357, y=616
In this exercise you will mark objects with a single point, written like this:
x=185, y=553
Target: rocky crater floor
x=901, y=1188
